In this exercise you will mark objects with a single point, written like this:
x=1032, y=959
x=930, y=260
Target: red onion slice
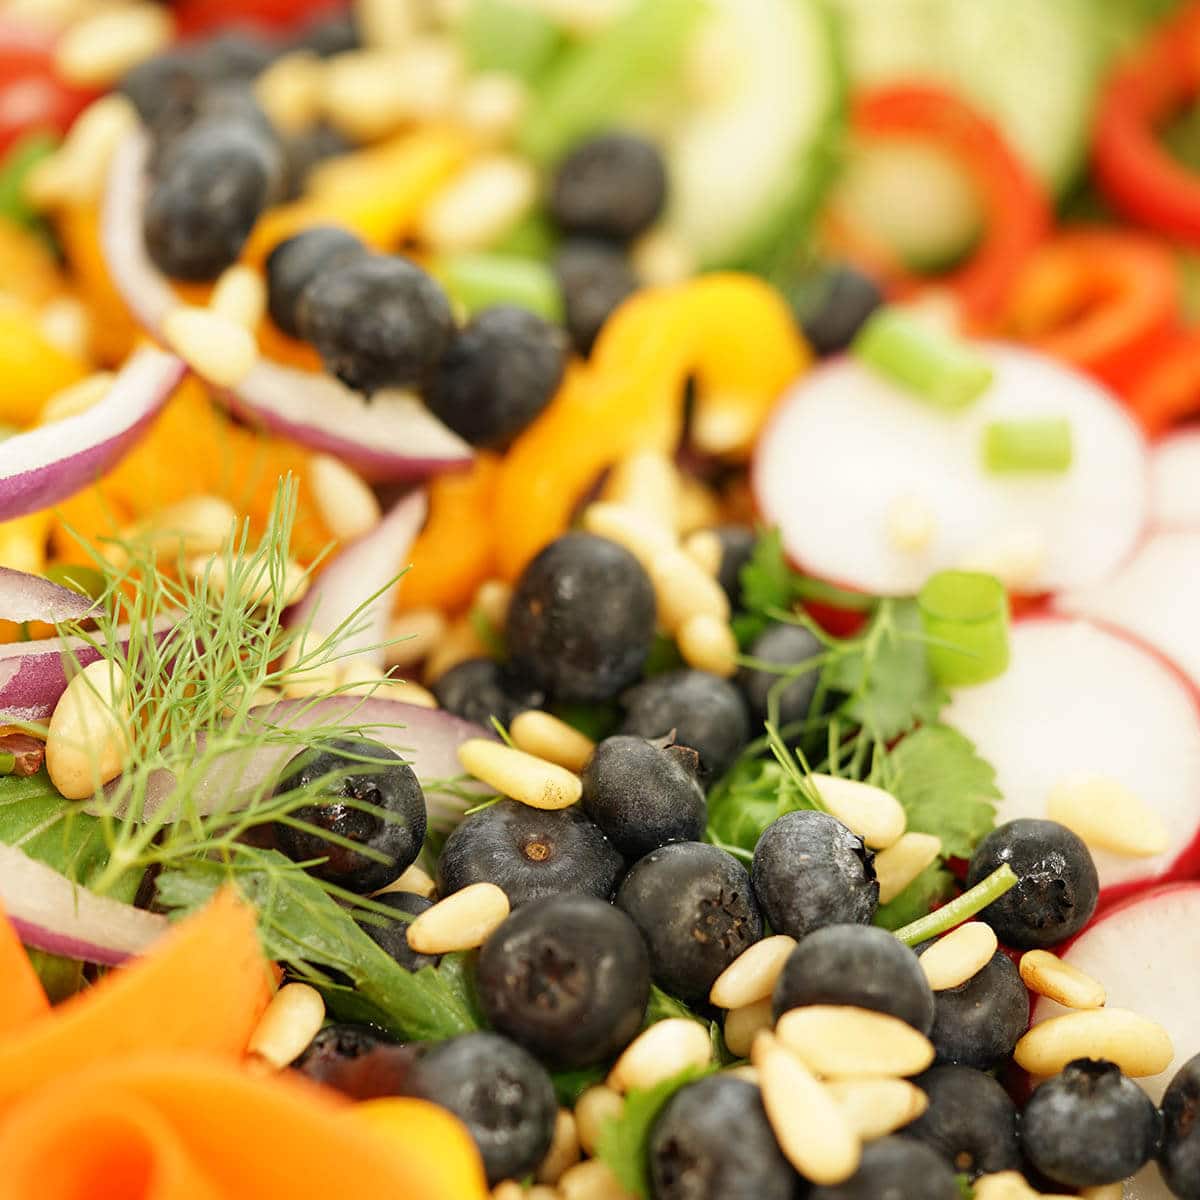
x=391, y=437
x=53, y=914
x=31, y=598
x=364, y=567
x=52, y=462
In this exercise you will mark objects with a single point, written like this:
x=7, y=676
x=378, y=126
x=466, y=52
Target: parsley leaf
x=767, y=584
x=754, y=793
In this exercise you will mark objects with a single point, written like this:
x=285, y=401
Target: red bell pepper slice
x=31, y=95
x=196, y=18
x=1168, y=390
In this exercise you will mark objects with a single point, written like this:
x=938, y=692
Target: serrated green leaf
x=752, y=795
x=934, y=885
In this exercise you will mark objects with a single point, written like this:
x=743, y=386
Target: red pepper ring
x=1017, y=211
x=1136, y=172
x=1168, y=390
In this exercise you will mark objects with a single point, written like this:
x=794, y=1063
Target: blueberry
x=895, y=1168
x=328, y=36
x=213, y=181
x=500, y=372
x=334, y=1046
x=833, y=307
x=705, y=712
x=376, y=321
x=479, y=689
x=529, y=853
x=296, y=261
x=165, y=89
x=978, y=1023
x=594, y=278
x=970, y=1121
x=1090, y=1125
x=810, y=871
x=305, y=150
x=393, y=936
x=642, y=796
x=388, y=813
x=697, y=912
x=1057, y=886
x=237, y=54
x=788, y=646
x=612, y=186
x=712, y=1141
x=568, y=979
x=358, y=1061
x=1179, y=1158
x=737, y=547
x=581, y=619
x=859, y=965
x=499, y=1091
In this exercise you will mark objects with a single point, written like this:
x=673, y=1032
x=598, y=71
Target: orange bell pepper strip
x=30, y=270
x=22, y=998
x=1168, y=390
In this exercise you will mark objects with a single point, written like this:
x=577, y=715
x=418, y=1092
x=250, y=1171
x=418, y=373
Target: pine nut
x=752, y=975
x=564, y=1149
x=77, y=171
x=698, y=506
x=288, y=1024
x=911, y=524
x=348, y=507
x=385, y=23
x=841, y=1042
x=1003, y=1185
x=877, y=1107
x=1108, y=816
x=593, y=1110
x=1047, y=975
x=683, y=590
x=258, y=590
x=97, y=50
x=592, y=1180
x=290, y=90
x=492, y=599
x=661, y=258
x=1015, y=557
x=413, y=880
x=412, y=635
x=875, y=815
x=220, y=350
x=511, y=1190
x=811, y=1127
x=66, y=325
x=705, y=547
x=722, y=425
x=316, y=679
x=545, y=736
x=479, y=206
x=958, y=956
x=77, y=398
x=708, y=644
x=742, y=1071
x=458, y=642
x=359, y=677
x=645, y=538
x=198, y=525
x=241, y=295
x=462, y=921
x=664, y=1049
x=492, y=104
x=532, y=781
x=648, y=481
x=743, y=1025
x=86, y=742
x=404, y=692
x=1105, y=1191
x=1136, y=1044
x=898, y=865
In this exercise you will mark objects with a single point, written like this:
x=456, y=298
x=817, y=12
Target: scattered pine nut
x=564, y=1149
x=290, y=90
x=346, y=503
x=359, y=677
x=752, y=975
x=705, y=547
x=66, y=324
x=877, y=1107
x=479, y=206
x=682, y=590
x=241, y=295
x=743, y=1071
x=743, y=1025
x=698, y=506
x=875, y=815
x=708, y=644
x=511, y=1190
x=259, y=590
x=385, y=23
x=1136, y=1044
x=523, y=777
x=592, y=1180
x=86, y=742
x=413, y=880
x=313, y=680
x=722, y=425
x=200, y=524
x=404, y=692
x=1049, y=976
x=412, y=635
x=898, y=865
x=911, y=524
x=648, y=481
x=98, y=49
x=458, y=642
x=220, y=350
x=77, y=171
x=841, y=1042
x=664, y=1049
x=959, y=955
x=644, y=537
x=1003, y=1185
x=288, y=1024
x=492, y=104
x=593, y=1110
x=492, y=599
x=462, y=921
x=545, y=736
x=661, y=258
x=77, y=398
x=812, y=1129
x=1105, y=1191
x=1108, y=816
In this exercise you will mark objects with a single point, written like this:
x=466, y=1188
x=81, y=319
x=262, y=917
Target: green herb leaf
x=570, y=1085
x=664, y=656
x=933, y=886
x=754, y=793
x=60, y=977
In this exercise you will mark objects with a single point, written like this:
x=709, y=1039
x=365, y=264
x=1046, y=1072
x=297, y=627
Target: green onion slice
x=943, y=919
x=965, y=618
x=1028, y=444
x=477, y=281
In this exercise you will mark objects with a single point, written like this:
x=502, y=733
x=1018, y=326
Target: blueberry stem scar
x=959, y=909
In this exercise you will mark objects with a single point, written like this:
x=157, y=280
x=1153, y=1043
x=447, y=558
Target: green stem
x=958, y=910
x=8, y=763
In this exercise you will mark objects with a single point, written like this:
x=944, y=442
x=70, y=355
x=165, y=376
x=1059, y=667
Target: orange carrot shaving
x=22, y=999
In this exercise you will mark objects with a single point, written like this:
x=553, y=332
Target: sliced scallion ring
x=965, y=618
x=1028, y=444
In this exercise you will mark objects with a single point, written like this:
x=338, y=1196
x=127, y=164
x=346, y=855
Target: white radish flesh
x=846, y=445
x=1064, y=708
x=1175, y=481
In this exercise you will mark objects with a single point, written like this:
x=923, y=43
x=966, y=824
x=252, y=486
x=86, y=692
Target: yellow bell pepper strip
x=23, y=542
x=32, y=368
x=30, y=271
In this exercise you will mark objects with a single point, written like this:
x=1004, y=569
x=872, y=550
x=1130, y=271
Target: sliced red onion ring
x=364, y=567
x=391, y=437
x=53, y=914
x=52, y=462
x=26, y=597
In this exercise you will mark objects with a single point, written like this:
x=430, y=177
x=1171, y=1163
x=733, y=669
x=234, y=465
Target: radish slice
x=847, y=453
x=53, y=914
x=363, y=568
x=52, y=462
x=31, y=598
x=1064, y=707
x=1155, y=596
x=391, y=437
x=1175, y=481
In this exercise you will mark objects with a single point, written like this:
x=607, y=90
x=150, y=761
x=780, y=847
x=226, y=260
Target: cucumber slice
x=751, y=155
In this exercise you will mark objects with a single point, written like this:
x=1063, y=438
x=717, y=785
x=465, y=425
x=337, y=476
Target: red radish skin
x=1175, y=481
